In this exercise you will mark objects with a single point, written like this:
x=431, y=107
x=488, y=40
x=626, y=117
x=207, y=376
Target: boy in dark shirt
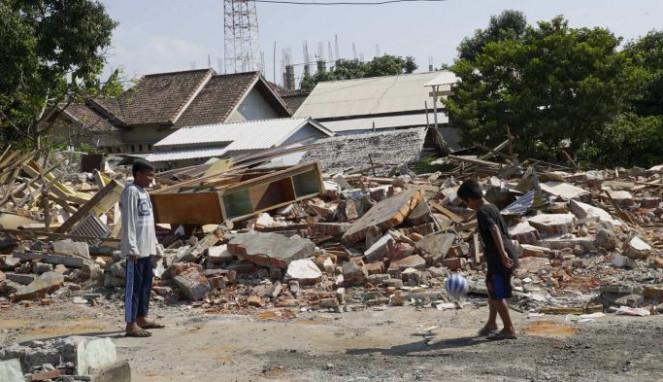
x=500, y=255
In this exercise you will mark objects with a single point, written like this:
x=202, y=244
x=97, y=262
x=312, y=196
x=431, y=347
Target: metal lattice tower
x=241, y=44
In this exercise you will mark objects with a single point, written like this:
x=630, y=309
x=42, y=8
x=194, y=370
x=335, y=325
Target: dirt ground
x=393, y=344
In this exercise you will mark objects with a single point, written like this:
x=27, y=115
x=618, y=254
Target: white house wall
x=253, y=107
x=306, y=132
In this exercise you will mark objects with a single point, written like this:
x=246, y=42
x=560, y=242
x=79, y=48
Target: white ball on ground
x=456, y=285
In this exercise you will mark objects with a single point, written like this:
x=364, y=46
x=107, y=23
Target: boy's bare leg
x=492, y=315
x=491, y=325
x=503, y=310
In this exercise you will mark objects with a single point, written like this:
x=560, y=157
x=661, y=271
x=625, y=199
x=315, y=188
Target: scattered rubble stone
x=304, y=270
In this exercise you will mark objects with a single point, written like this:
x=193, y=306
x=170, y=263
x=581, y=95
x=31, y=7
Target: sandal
x=152, y=325
x=138, y=333
x=502, y=335
x=486, y=331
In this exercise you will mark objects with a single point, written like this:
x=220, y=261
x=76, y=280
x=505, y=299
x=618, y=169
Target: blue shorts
x=499, y=285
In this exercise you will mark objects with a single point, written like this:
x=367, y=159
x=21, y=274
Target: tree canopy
x=555, y=87
x=385, y=65
x=51, y=50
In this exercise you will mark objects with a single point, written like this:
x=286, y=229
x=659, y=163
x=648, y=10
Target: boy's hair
x=470, y=189
x=141, y=165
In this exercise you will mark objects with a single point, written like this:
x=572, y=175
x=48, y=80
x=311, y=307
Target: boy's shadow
x=409, y=350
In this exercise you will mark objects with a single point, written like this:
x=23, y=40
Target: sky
x=169, y=35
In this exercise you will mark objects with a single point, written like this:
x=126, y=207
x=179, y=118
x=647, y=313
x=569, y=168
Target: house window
x=133, y=148
x=149, y=147
x=140, y=148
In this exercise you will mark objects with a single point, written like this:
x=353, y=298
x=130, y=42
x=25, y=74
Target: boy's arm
x=128, y=206
x=497, y=237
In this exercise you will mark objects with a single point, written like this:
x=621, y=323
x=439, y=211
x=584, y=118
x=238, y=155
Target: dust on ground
x=394, y=344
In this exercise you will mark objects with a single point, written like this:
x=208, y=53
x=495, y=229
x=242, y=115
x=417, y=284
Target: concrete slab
x=436, y=245
x=524, y=233
x=93, y=354
x=10, y=371
x=414, y=261
x=270, y=249
x=553, y=224
x=379, y=249
x=192, y=284
x=46, y=283
x=386, y=214
x=565, y=191
x=117, y=372
x=586, y=242
x=587, y=211
x=71, y=248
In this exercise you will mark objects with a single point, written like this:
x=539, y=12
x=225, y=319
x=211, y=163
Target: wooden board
x=438, y=207
x=262, y=192
x=195, y=208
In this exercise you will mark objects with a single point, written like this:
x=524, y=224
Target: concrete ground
x=394, y=344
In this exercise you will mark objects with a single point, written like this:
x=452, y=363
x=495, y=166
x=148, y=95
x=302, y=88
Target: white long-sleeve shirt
x=138, y=233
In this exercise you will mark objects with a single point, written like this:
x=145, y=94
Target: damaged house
x=381, y=120
x=196, y=144
x=161, y=103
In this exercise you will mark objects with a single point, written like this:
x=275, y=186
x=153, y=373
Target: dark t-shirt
x=487, y=216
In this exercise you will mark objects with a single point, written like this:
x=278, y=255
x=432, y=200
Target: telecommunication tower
x=241, y=44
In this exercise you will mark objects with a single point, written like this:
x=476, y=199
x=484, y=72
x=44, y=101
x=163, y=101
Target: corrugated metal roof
x=378, y=95
x=443, y=79
x=249, y=135
x=184, y=154
x=93, y=227
x=390, y=122
x=218, y=139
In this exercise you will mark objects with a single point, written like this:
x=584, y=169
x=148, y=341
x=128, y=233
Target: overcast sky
x=169, y=35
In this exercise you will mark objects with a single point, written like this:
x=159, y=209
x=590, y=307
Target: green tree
x=508, y=25
x=112, y=87
x=554, y=86
x=386, y=65
x=51, y=51
x=646, y=54
x=636, y=136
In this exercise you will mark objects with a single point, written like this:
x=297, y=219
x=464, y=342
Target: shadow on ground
x=410, y=349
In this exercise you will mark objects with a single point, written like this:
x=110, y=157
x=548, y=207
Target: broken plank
x=476, y=161
x=572, y=309
x=438, y=207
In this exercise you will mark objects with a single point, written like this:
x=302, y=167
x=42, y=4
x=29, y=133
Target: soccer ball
x=456, y=285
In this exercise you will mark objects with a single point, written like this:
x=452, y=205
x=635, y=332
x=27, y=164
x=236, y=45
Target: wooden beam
x=476, y=161
x=109, y=195
x=438, y=207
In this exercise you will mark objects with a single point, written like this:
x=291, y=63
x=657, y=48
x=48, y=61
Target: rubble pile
x=74, y=359
x=589, y=240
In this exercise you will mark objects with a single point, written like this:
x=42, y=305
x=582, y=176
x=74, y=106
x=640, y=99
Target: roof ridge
x=382, y=77
x=191, y=96
x=261, y=120
x=178, y=72
x=235, y=74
